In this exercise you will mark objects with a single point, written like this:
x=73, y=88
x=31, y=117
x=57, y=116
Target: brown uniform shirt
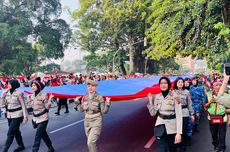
x=14, y=101
x=39, y=104
x=93, y=103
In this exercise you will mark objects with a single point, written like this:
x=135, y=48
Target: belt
x=13, y=110
x=90, y=116
x=184, y=106
x=167, y=116
x=41, y=113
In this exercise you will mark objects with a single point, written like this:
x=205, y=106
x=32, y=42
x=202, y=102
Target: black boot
x=51, y=149
x=5, y=149
x=67, y=112
x=57, y=113
x=20, y=148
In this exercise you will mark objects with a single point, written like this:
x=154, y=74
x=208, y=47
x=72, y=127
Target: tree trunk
x=140, y=60
x=121, y=62
x=132, y=55
x=132, y=60
x=121, y=54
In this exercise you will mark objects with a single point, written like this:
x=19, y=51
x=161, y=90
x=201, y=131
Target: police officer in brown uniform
x=40, y=104
x=168, y=126
x=93, y=105
x=183, y=97
x=14, y=102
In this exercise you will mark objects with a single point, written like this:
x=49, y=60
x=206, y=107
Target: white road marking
x=66, y=126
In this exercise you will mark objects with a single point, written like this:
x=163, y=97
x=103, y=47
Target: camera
x=227, y=69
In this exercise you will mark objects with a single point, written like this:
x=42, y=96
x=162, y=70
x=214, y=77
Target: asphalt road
x=127, y=128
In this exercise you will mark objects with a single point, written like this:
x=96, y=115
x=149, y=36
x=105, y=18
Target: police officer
x=40, y=104
x=187, y=110
x=93, y=105
x=198, y=99
x=16, y=110
x=187, y=84
x=61, y=102
x=168, y=126
x=217, y=118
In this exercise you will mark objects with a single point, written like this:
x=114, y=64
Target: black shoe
x=66, y=112
x=220, y=150
x=215, y=148
x=20, y=148
x=5, y=149
x=51, y=149
x=57, y=113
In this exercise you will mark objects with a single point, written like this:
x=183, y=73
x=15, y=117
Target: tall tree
x=114, y=24
x=197, y=27
x=31, y=31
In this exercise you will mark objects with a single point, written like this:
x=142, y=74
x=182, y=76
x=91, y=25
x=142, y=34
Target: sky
x=71, y=53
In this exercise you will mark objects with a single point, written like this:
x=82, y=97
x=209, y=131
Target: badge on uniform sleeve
x=21, y=95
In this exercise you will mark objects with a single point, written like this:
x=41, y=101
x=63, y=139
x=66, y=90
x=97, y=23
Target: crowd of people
x=178, y=108
x=58, y=80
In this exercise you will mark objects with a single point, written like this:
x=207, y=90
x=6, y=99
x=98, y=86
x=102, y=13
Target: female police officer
x=168, y=126
x=187, y=110
x=93, y=105
x=40, y=104
x=14, y=102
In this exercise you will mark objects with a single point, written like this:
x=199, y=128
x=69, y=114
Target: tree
x=197, y=27
x=112, y=25
x=31, y=31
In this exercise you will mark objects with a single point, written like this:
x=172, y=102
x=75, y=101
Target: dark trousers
x=41, y=134
x=14, y=125
x=165, y=143
x=184, y=141
x=61, y=103
x=218, y=132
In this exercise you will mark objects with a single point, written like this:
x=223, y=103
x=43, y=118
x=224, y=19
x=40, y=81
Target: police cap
x=91, y=82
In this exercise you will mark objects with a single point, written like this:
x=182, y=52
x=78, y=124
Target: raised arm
x=104, y=105
x=153, y=107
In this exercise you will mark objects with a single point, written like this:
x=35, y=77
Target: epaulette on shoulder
x=20, y=94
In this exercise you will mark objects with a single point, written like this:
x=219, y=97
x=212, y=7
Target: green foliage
x=197, y=27
x=110, y=25
x=166, y=66
x=49, y=67
x=101, y=61
x=23, y=23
